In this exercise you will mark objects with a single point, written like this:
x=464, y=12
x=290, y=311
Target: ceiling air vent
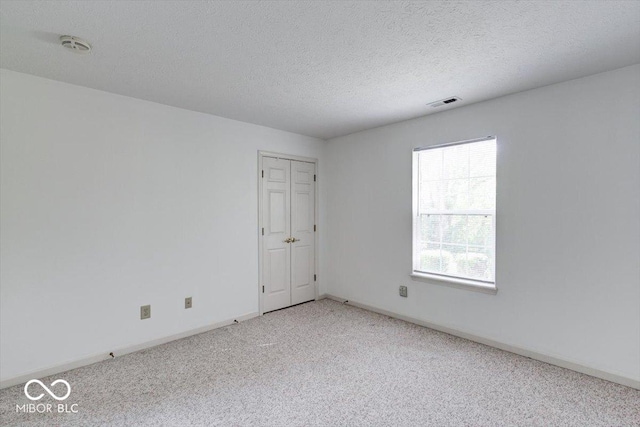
x=445, y=101
x=75, y=44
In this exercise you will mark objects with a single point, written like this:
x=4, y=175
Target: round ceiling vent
x=75, y=44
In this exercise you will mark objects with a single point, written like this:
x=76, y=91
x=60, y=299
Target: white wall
x=109, y=203
x=568, y=221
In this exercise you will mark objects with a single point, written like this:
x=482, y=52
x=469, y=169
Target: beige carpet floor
x=328, y=364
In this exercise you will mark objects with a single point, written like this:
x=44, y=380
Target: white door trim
x=261, y=156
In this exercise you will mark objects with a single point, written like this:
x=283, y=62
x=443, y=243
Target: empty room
x=320, y=213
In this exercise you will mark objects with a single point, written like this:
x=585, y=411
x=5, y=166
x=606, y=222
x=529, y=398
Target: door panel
x=276, y=266
x=278, y=211
x=302, y=226
x=276, y=196
x=302, y=253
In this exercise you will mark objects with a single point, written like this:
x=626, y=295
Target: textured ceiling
x=319, y=68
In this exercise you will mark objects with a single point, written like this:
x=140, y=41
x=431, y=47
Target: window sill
x=453, y=282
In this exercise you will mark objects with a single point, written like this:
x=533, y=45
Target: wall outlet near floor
x=403, y=291
x=145, y=312
x=188, y=303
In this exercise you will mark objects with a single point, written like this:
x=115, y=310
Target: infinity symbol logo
x=52, y=394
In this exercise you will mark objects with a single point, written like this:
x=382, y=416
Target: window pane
x=482, y=193
x=462, y=267
x=449, y=255
x=480, y=230
x=456, y=161
x=432, y=195
x=454, y=229
x=430, y=165
x=430, y=258
x=482, y=159
x=430, y=228
x=456, y=194
x=478, y=263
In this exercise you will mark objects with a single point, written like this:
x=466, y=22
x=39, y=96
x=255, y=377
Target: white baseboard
x=40, y=373
x=563, y=363
x=629, y=382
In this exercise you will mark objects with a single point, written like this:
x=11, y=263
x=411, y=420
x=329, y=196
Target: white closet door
x=302, y=230
x=276, y=268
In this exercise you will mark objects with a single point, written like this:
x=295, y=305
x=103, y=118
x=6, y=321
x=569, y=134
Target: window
x=454, y=204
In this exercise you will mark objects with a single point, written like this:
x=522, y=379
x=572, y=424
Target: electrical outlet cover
x=188, y=303
x=403, y=291
x=145, y=312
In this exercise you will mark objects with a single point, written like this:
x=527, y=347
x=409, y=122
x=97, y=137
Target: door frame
x=261, y=156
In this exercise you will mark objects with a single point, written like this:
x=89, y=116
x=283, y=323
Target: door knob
x=293, y=240
x=288, y=240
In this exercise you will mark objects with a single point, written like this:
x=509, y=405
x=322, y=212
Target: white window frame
x=442, y=279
